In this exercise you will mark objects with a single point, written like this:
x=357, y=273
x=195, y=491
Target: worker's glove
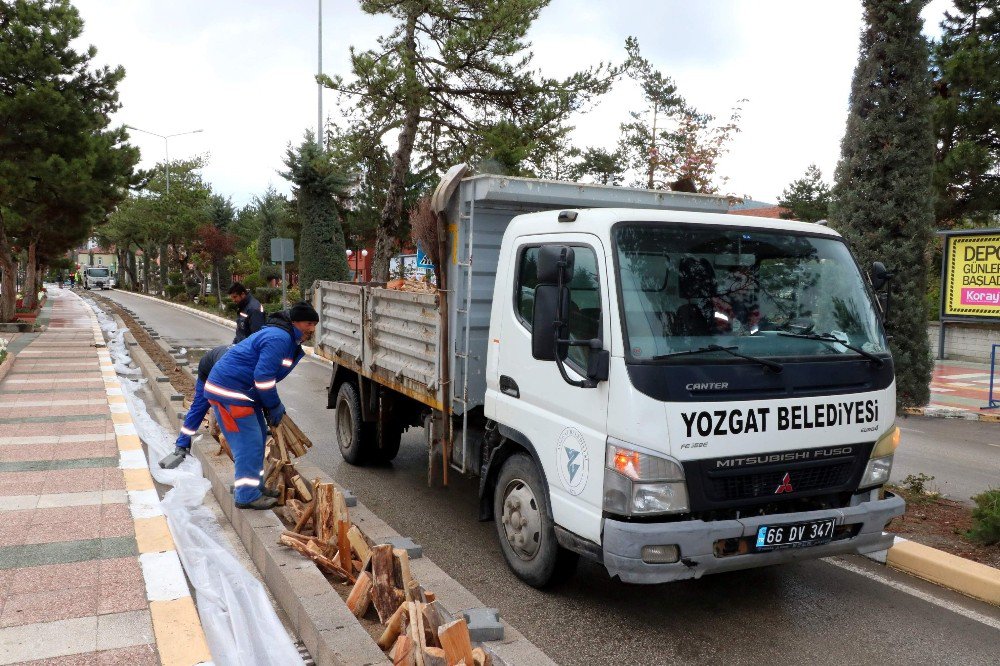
x=274, y=415
x=183, y=441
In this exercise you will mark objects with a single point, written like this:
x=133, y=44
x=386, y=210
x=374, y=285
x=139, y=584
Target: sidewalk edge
x=952, y=572
x=950, y=413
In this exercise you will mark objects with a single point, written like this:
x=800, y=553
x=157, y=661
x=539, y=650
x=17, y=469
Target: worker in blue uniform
x=196, y=412
x=250, y=315
x=242, y=389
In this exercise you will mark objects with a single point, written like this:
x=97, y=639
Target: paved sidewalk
x=88, y=569
x=964, y=386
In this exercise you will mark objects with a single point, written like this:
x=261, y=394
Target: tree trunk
x=388, y=230
x=8, y=289
x=145, y=272
x=30, y=288
x=163, y=269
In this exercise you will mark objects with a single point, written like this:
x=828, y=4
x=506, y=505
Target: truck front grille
x=766, y=484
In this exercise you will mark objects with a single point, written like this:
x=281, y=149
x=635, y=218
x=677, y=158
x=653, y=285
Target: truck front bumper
x=697, y=540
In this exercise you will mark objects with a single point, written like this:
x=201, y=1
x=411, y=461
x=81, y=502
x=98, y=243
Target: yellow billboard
x=971, y=280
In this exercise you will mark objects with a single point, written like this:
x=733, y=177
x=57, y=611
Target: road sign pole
x=284, y=291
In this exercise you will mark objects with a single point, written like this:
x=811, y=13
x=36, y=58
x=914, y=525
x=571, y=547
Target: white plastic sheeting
x=240, y=624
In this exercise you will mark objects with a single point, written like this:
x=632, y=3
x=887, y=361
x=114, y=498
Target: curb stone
x=951, y=413
x=972, y=579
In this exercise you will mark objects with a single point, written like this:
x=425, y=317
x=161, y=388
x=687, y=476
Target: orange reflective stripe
x=228, y=423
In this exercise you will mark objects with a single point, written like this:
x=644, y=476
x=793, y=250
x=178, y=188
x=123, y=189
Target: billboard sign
x=970, y=284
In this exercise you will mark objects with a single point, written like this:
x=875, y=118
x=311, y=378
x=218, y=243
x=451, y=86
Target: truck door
x=566, y=425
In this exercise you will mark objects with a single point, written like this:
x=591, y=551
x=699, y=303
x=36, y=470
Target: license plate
x=770, y=537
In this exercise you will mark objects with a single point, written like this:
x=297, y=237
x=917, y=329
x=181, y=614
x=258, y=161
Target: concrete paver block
x=162, y=379
x=414, y=550
x=484, y=624
x=350, y=498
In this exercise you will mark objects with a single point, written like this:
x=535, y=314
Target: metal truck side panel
x=340, y=314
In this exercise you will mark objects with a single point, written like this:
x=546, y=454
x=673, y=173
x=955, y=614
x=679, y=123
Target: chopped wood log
x=393, y=627
x=454, y=638
x=416, y=630
x=310, y=548
x=435, y=656
x=403, y=652
x=340, y=506
x=306, y=516
x=302, y=488
x=385, y=596
x=224, y=447
x=282, y=449
x=344, y=544
x=481, y=657
x=326, y=524
x=281, y=490
x=296, y=432
x=359, y=543
x=430, y=597
x=414, y=592
x=402, y=568
x=435, y=616
x=295, y=536
x=360, y=597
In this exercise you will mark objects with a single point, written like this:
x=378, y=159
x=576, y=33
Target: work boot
x=267, y=492
x=262, y=503
x=174, y=459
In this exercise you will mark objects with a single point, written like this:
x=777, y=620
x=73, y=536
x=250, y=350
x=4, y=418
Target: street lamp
x=166, y=145
x=166, y=149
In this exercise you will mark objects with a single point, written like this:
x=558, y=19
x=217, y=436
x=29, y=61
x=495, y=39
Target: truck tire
x=391, y=435
x=349, y=429
x=525, y=530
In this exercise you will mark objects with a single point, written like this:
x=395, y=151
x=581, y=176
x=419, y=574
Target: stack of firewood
x=413, y=286
x=286, y=441
x=418, y=630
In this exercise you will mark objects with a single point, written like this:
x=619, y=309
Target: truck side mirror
x=546, y=317
x=555, y=264
x=879, y=275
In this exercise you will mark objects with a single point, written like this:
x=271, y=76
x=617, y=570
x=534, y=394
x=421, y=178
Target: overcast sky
x=242, y=71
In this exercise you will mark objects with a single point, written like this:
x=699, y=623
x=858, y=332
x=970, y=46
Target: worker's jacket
x=199, y=405
x=249, y=372
x=249, y=319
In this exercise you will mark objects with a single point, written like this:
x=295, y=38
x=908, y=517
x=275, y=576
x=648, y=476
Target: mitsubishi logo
x=571, y=467
x=786, y=485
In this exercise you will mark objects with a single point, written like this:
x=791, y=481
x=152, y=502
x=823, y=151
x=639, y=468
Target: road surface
x=841, y=610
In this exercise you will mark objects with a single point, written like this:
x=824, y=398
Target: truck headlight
x=638, y=483
x=880, y=463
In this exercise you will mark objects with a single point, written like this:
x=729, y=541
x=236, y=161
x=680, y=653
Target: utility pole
x=319, y=71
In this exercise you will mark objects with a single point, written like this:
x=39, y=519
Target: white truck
x=635, y=376
x=97, y=277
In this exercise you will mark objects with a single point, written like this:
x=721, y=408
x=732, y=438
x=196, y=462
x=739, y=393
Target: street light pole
x=166, y=167
x=319, y=71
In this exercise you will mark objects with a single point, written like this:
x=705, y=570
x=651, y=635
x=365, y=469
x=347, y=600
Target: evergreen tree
x=883, y=199
x=271, y=209
x=318, y=186
x=965, y=63
x=602, y=166
x=808, y=198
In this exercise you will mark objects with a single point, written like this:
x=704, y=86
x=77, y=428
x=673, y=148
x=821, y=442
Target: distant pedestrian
x=72, y=280
x=196, y=413
x=243, y=384
x=250, y=313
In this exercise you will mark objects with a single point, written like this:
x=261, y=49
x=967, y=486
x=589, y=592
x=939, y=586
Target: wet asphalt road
x=847, y=610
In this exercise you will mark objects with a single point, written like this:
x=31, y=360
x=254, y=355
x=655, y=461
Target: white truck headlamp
x=638, y=483
x=880, y=463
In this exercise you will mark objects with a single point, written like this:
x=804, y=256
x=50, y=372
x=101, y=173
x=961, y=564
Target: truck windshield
x=688, y=287
x=97, y=272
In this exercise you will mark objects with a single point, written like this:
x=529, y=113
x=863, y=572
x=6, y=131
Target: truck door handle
x=509, y=387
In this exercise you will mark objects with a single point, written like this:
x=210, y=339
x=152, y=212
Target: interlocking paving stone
x=42, y=465
x=53, y=419
x=87, y=390
x=60, y=552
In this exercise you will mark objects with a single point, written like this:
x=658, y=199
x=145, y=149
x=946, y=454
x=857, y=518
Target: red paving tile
x=12, y=534
x=119, y=571
x=50, y=577
x=69, y=451
x=49, y=606
x=140, y=655
x=121, y=598
x=61, y=481
x=15, y=412
x=56, y=429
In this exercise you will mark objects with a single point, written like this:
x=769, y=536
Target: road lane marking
x=912, y=591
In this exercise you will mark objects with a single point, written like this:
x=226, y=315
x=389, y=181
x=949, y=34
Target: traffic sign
x=423, y=261
x=282, y=249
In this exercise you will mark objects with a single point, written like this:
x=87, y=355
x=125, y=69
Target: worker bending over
x=196, y=412
x=243, y=384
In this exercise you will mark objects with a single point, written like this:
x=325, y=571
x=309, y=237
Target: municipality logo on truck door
x=572, y=461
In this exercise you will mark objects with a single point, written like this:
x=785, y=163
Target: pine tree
x=271, y=209
x=808, y=198
x=964, y=64
x=318, y=185
x=883, y=199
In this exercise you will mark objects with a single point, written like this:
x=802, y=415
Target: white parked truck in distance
x=636, y=377
x=97, y=277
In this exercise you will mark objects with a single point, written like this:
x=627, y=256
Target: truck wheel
x=391, y=436
x=525, y=531
x=349, y=428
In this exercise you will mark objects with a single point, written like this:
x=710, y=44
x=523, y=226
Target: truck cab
x=698, y=392
x=97, y=277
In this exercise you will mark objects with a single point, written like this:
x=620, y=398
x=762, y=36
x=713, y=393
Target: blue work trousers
x=246, y=432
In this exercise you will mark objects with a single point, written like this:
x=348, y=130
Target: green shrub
x=268, y=294
x=918, y=484
x=271, y=308
x=294, y=295
x=211, y=301
x=174, y=277
x=175, y=290
x=986, y=518
x=252, y=283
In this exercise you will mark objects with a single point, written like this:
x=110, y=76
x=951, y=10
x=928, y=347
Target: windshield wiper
x=770, y=365
x=828, y=337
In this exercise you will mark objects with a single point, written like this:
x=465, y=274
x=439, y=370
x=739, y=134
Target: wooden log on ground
x=282, y=449
x=305, y=517
x=481, y=657
x=302, y=488
x=454, y=638
x=403, y=652
x=385, y=596
x=359, y=543
x=326, y=524
x=294, y=429
x=360, y=597
x=435, y=656
x=401, y=568
x=340, y=505
x=435, y=616
x=393, y=627
x=416, y=630
x=414, y=592
x=344, y=544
